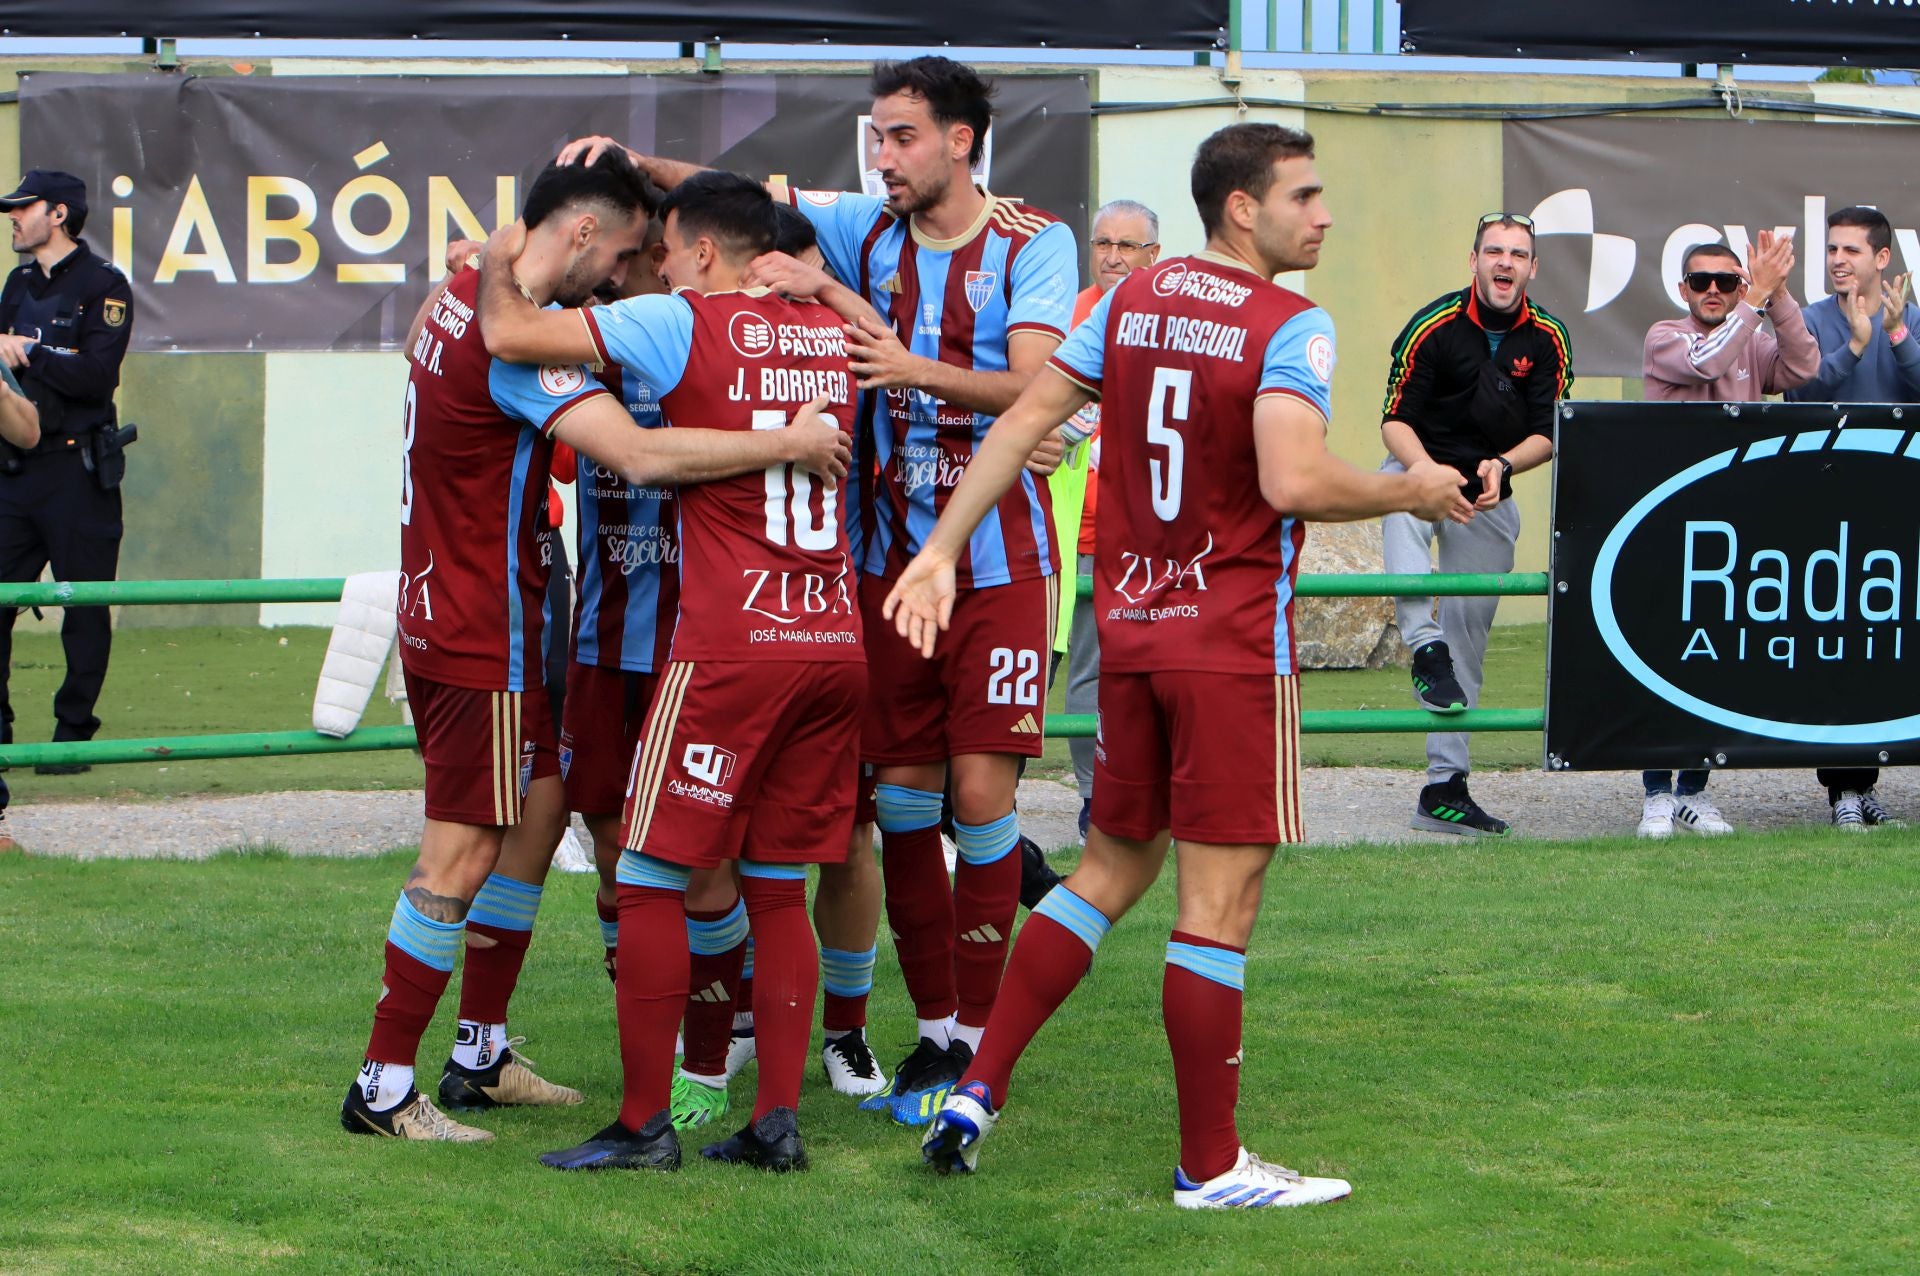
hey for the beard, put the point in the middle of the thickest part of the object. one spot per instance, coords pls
(915, 199)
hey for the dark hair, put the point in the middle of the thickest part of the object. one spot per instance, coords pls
(1240, 157)
(1872, 220)
(795, 234)
(1707, 250)
(731, 209)
(954, 93)
(612, 182)
(1480, 231)
(76, 221)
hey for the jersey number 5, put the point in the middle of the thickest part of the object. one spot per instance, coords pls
(788, 502)
(1169, 399)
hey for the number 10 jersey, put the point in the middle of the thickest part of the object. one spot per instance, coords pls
(765, 571)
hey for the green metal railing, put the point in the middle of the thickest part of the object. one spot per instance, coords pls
(327, 589)
(1270, 38)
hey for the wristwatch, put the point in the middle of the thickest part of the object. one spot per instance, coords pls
(1506, 466)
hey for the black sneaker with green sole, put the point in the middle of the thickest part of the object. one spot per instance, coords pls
(1447, 807)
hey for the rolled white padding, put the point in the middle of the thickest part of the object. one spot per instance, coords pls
(362, 637)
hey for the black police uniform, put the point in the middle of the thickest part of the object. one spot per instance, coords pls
(60, 502)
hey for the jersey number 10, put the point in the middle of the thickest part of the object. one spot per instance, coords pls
(788, 502)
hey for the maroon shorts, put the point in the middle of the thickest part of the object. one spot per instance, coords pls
(1213, 756)
(599, 732)
(482, 749)
(984, 691)
(748, 761)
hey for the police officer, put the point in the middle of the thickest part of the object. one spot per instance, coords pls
(64, 321)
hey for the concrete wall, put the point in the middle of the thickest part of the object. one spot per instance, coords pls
(284, 464)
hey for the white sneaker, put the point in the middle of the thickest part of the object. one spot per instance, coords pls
(742, 1050)
(851, 1067)
(1698, 813)
(571, 857)
(1848, 813)
(1253, 1183)
(1656, 817)
(1870, 809)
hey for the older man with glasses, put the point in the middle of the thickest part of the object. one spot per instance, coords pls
(1126, 237)
(1473, 382)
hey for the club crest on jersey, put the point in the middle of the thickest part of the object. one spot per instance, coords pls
(979, 288)
(820, 199)
(752, 336)
(1167, 282)
(1320, 357)
(559, 381)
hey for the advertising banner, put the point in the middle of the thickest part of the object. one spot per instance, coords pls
(1617, 203)
(314, 214)
(1012, 24)
(1734, 585)
(1790, 32)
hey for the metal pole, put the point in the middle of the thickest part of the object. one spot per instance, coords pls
(1351, 722)
(93, 593)
(1273, 26)
(1379, 26)
(1346, 22)
(1361, 585)
(1306, 26)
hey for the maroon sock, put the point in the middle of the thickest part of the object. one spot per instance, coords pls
(787, 967)
(1048, 964)
(649, 994)
(711, 1001)
(494, 958)
(1202, 1015)
(609, 916)
(985, 897)
(920, 914)
(843, 1014)
(409, 992)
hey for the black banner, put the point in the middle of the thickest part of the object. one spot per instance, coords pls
(1734, 585)
(1789, 32)
(1027, 24)
(314, 214)
(1617, 203)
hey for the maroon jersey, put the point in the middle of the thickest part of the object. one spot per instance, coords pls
(475, 548)
(765, 573)
(1193, 570)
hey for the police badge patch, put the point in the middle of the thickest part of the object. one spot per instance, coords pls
(114, 311)
(979, 288)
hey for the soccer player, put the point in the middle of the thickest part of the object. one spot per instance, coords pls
(1215, 400)
(751, 749)
(977, 291)
(473, 526)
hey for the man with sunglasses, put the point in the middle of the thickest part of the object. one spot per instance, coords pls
(1721, 352)
(1473, 382)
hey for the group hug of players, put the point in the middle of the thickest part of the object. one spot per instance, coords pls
(816, 593)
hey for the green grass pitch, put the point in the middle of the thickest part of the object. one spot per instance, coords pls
(1531, 1058)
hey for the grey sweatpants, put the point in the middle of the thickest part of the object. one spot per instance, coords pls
(1482, 545)
(1083, 681)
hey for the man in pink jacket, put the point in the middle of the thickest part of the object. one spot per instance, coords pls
(1722, 353)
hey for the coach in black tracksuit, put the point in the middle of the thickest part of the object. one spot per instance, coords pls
(66, 316)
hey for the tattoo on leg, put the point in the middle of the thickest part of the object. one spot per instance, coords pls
(439, 908)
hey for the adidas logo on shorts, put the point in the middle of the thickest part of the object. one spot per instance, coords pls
(714, 992)
(1026, 726)
(983, 935)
